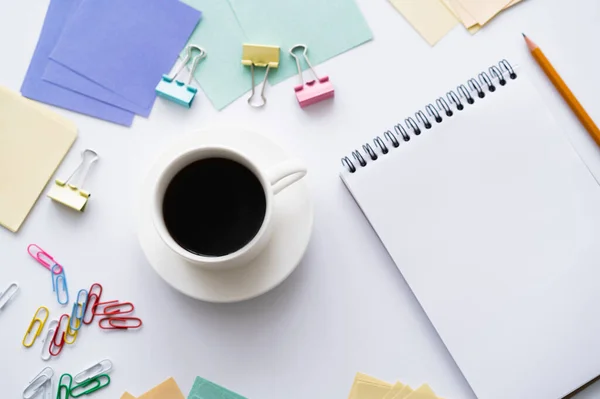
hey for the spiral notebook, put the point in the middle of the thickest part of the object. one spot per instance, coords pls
(494, 222)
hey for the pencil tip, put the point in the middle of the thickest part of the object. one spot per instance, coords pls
(524, 35)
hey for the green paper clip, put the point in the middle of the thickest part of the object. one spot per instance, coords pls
(176, 90)
(89, 386)
(62, 386)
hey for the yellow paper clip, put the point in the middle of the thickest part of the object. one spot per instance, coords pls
(36, 320)
(70, 193)
(263, 57)
(72, 332)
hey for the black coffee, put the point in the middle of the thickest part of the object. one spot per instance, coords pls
(214, 206)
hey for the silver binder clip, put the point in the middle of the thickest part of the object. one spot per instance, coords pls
(69, 192)
(40, 383)
(176, 90)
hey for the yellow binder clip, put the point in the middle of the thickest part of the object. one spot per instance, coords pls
(263, 57)
(69, 192)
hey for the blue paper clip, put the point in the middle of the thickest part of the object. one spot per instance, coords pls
(57, 278)
(176, 90)
(78, 310)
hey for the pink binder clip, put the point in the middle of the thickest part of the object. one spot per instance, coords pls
(312, 91)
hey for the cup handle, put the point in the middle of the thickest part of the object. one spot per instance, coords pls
(285, 174)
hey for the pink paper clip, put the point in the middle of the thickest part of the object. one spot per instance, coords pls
(44, 258)
(312, 91)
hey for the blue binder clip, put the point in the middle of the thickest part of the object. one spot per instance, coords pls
(176, 90)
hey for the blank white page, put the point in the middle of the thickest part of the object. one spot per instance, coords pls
(494, 222)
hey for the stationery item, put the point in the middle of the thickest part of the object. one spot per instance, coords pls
(8, 295)
(261, 56)
(59, 285)
(79, 307)
(423, 392)
(72, 333)
(60, 333)
(206, 389)
(115, 307)
(52, 326)
(120, 323)
(41, 383)
(367, 387)
(394, 391)
(33, 142)
(564, 90)
(102, 367)
(39, 320)
(176, 90)
(64, 389)
(275, 263)
(127, 395)
(90, 386)
(167, 389)
(71, 193)
(101, 43)
(493, 220)
(484, 11)
(430, 18)
(93, 300)
(338, 27)
(227, 221)
(315, 90)
(43, 258)
(36, 88)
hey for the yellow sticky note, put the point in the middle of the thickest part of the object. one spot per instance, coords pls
(127, 395)
(407, 390)
(483, 11)
(460, 12)
(423, 392)
(431, 18)
(166, 390)
(396, 389)
(367, 387)
(33, 142)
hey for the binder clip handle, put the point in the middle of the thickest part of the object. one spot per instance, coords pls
(304, 48)
(88, 157)
(188, 56)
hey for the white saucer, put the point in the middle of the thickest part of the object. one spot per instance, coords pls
(293, 214)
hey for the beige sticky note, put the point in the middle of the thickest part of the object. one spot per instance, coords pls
(431, 18)
(127, 395)
(33, 142)
(367, 387)
(396, 389)
(166, 390)
(483, 11)
(423, 392)
(407, 390)
(460, 12)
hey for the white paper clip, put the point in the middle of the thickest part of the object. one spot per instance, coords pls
(70, 193)
(40, 383)
(102, 367)
(48, 340)
(315, 90)
(176, 90)
(8, 295)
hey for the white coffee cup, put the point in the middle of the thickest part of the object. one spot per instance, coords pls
(272, 180)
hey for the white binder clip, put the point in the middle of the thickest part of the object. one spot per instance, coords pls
(70, 193)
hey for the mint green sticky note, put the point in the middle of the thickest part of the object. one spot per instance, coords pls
(204, 389)
(328, 28)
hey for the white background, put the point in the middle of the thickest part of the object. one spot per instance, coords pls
(346, 308)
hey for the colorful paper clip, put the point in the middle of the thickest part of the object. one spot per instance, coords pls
(40, 383)
(90, 386)
(79, 308)
(59, 333)
(112, 308)
(43, 258)
(40, 322)
(120, 323)
(52, 326)
(59, 285)
(93, 300)
(255, 55)
(176, 90)
(71, 333)
(315, 90)
(71, 193)
(64, 390)
(8, 295)
(102, 367)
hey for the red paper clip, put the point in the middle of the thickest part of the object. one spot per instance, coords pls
(44, 258)
(57, 333)
(116, 308)
(93, 300)
(120, 323)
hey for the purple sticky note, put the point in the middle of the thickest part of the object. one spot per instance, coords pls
(126, 45)
(64, 77)
(37, 89)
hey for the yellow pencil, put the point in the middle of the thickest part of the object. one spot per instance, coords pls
(564, 90)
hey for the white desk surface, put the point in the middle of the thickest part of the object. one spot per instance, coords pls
(346, 308)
